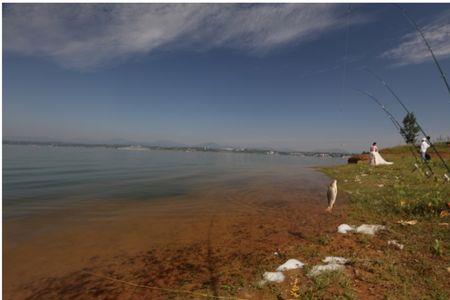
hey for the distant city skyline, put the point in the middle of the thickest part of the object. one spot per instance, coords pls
(248, 75)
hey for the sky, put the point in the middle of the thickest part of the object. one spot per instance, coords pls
(277, 76)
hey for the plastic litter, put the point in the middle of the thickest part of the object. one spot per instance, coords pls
(290, 265)
(335, 260)
(369, 229)
(396, 244)
(411, 222)
(317, 270)
(344, 228)
(273, 276)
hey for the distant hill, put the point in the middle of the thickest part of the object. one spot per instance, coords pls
(210, 146)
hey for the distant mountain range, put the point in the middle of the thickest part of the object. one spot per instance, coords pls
(117, 141)
(157, 143)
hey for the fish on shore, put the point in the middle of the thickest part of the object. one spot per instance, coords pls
(331, 195)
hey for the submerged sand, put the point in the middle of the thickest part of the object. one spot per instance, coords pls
(215, 241)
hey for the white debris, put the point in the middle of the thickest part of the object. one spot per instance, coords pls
(344, 228)
(369, 229)
(396, 244)
(273, 276)
(290, 265)
(317, 270)
(335, 260)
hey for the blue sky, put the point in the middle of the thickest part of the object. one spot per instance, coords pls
(240, 75)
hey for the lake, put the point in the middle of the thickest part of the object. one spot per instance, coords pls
(71, 209)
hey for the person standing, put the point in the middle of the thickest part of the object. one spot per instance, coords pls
(423, 148)
(373, 149)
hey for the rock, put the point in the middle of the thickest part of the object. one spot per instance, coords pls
(396, 244)
(273, 276)
(344, 228)
(317, 270)
(359, 157)
(369, 229)
(291, 264)
(335, 260)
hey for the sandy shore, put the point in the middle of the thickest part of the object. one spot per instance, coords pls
(216, 242)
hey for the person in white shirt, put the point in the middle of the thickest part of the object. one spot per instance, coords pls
(423, 148)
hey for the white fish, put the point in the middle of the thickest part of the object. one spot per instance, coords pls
(331, 195)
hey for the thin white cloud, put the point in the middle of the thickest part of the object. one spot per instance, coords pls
(89, 36)
(412, 49)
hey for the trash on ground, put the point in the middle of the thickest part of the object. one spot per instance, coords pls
(273, 276)
(290, 265)
(444, 214)
(369, 229)
(344, 228)
(320, 269)
(443, 224)
(335, 260)
(410, 222)
(364, 228)
(396, 244)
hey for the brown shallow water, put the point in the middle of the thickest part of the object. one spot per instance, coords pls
(216, 241)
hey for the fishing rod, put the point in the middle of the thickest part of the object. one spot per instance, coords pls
(414, 24)
(407, 111)
(397, 125)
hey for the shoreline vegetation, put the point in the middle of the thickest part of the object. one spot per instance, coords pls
(137, 147)
(414, 209)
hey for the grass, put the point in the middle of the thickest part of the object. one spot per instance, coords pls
(388, 194)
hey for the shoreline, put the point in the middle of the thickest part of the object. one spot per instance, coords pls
(218, 247)
(222, 248)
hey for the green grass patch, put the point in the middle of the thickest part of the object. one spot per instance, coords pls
(388, 194)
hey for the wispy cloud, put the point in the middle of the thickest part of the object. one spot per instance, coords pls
(89, 36)
(412, 49)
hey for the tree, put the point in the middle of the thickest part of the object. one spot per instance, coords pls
(410, 128)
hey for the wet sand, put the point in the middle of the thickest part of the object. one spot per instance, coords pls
(216, 241)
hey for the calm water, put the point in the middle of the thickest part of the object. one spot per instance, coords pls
(41, 178)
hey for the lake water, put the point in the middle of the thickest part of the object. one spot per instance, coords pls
(142, 214)
(42, 178)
